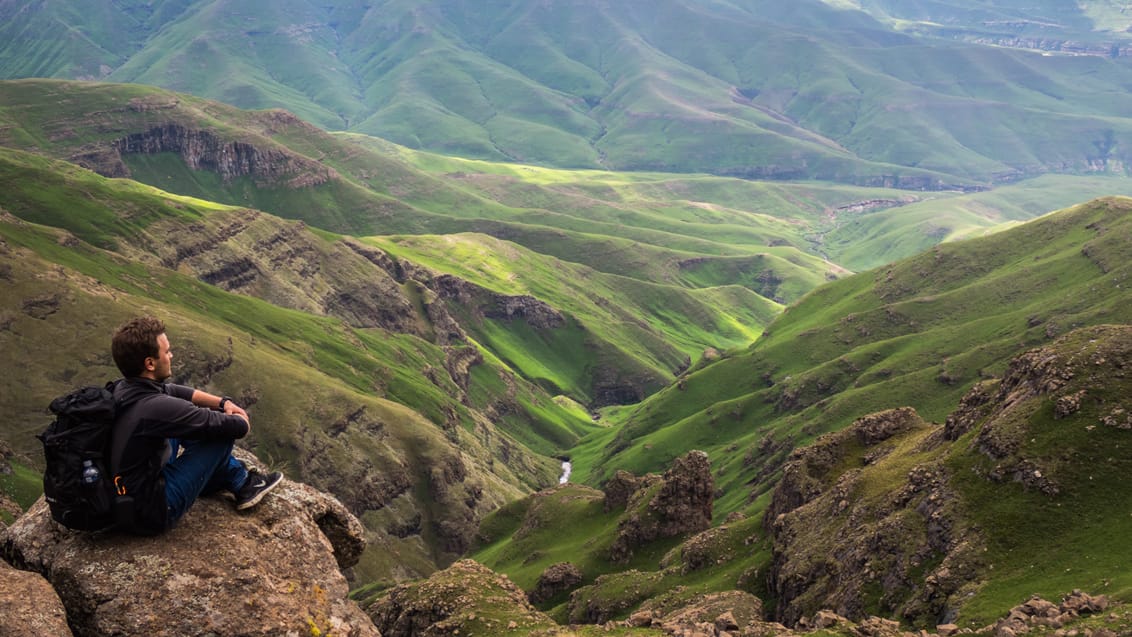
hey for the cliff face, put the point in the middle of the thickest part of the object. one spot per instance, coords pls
(205, 150)
(284, 263)
(274, 570)
(835, 549)
(907, 552)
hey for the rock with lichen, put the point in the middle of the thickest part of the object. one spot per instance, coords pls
(273, 570)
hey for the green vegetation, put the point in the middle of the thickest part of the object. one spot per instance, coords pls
(23, 486)
(857, 93)
(916, 333)
(919, 332)
(1079, 528)
(455, 323)
(344, 431)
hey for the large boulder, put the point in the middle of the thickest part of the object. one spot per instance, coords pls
(29, 606)
(274, 570)
(556, 579)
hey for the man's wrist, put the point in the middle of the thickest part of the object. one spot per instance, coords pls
(224, 400)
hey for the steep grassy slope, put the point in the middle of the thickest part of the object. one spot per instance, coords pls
(936, 523)
(1012, 498)
(100, 117)
(686, 230)
(876, 237)
(336, 432)
(630, 313)
(918, 332)
(78, 40)
(750, 88)
(361, 403)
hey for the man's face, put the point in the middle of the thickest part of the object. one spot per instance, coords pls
(160, 368)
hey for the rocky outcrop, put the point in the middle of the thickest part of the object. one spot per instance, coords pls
(710, 614)
(229, 158)
(1072, 373)
(555, 580)
(467, 598)
(849, 537)
(29, 606)
(973, 407)
(449, 486)
(621, 487)
(1038, 614)
(824, 530)
(284, 263)
(613, 595)
(275, 570)
(611, 386)
(483, 303)
(807, 472)
(679, 503)
(459, 362)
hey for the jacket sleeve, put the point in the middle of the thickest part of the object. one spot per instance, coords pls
(179, 391)
(170, 416)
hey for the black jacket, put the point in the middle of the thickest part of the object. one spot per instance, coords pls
(150, 413)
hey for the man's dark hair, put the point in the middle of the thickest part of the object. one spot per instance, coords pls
(134, 342)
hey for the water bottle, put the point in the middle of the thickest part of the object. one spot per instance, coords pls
(90, 472)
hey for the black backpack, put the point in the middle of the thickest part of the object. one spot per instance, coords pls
(78, 441)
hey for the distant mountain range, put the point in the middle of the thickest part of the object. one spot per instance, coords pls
(922, 95)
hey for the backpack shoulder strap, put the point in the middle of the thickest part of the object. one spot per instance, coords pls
(118, 437)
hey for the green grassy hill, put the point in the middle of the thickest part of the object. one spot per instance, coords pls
(382, 406)
(688, 230)
(1005, 500)
(862, 93)
(917, 332)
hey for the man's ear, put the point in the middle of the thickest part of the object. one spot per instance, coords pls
(150, 364)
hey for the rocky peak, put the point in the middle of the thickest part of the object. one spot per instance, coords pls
(622, 486)
(680, 502)
(274, 570)
(823, 526)
(1082, 374)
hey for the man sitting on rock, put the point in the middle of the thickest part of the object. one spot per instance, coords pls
(178, 439)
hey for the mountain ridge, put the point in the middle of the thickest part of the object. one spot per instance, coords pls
(803, 92)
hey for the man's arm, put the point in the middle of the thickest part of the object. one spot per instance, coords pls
(208, 401)
(212, 401)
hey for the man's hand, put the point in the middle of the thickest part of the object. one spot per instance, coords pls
(232, 408)
(212, 401)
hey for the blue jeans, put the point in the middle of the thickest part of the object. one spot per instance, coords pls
(203, 468)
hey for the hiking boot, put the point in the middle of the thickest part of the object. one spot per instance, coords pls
(255, 487)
